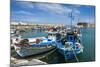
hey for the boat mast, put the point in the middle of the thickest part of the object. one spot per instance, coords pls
(71, 19)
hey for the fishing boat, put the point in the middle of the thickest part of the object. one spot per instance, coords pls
(12, 31)
(13, 35)
(33, 46)
(69, 46)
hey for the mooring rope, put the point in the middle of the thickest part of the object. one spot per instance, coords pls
(49, 53)
(75, 55)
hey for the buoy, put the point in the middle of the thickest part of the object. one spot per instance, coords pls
(38, 41)
(46, 46)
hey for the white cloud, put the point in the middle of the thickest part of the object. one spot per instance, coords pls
(26, 4)
(49, 7)
(76, 11)
(21, 12)
(53, 8)
(27, 18)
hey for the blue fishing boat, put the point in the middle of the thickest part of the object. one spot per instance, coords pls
(69, 45)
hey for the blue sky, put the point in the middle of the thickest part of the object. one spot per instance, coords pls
(51, 13)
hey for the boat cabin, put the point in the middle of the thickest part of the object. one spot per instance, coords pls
(72, 37)
(54, 35)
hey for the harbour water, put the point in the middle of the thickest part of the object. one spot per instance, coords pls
(53, 57)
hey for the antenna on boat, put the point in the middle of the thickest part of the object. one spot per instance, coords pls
(71, 18)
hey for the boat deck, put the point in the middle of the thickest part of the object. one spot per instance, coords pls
(59, 45)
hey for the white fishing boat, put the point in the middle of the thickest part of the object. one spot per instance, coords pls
(33, 47)
(12, 31)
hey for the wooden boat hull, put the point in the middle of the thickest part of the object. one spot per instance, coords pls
(70, 52)
(29, 50)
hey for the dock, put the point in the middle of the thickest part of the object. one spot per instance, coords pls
(23, 62)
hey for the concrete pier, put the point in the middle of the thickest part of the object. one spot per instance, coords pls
(23, 62)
